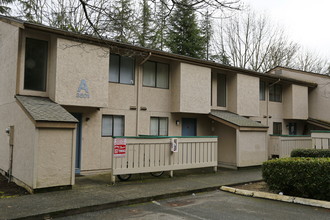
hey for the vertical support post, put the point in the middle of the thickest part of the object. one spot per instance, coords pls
(11, 150)
(113, 179)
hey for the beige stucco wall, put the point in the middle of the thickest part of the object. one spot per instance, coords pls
(24, 143)
(251, 148)
(54, 165)
(195, 89)
(295, 99)
(226, 144)
(76, 62)
(11, 113)
(318, 98)
(9, 36)
(247, 95)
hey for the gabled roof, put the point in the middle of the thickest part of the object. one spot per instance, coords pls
(236, 121)
(153, 52)
(296, 70)
(44, 110)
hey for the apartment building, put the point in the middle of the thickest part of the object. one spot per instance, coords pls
(64, 96)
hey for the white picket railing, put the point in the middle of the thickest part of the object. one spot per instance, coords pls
(321, 139)
(282, 146)
(145, 155)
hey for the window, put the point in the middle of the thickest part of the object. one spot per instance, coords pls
(275, 93)
(292, 128)
(277, 128)
(159, 126)
(221, 90)
(121, 69)
(112, 125)
(155, 74)
(35, 69)
(262, 90)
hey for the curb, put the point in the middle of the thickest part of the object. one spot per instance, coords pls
(104, 206)
(282, 198)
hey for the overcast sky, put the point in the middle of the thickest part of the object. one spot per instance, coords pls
(306, 22)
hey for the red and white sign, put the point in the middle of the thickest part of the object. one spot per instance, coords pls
(119, 147)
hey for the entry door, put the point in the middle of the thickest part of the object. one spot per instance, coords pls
(78, 116)
(189, 127)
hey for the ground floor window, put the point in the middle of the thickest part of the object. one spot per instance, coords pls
(277, 128)
(159, 126)
(112, 125)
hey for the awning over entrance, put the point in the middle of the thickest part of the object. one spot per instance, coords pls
(236, 121)
(323, 124)
(44, 111)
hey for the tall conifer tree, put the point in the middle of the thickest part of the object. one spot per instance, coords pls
(122, 20)
(145, 31)
(184, 35)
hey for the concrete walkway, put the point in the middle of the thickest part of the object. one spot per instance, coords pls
(93, 193)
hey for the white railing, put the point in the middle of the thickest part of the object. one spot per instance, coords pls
(282, 146)
(321, 139)
(143, 155)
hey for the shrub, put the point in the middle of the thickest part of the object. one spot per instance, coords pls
(310, 153)
(302, 177)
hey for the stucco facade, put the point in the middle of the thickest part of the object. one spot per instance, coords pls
(179, 94)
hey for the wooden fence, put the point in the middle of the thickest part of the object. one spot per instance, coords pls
(321, 139)
(143, 155)
(281, 146)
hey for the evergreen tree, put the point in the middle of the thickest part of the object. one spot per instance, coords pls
(207, 32)
(161, 14)
(122, 20)
(145, 32)
(184, 34)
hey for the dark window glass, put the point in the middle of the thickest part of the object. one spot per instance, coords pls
(275, 93)
(292, 128)
(121, 69)
(112, 125)
(277, 128)
(155, 74)
(262, 91)
(35, 69)
(221, 90)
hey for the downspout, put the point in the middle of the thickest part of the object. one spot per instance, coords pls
(268, 99)
(138, 92)
(11, 152)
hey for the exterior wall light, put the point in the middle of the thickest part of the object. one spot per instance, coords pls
(177, 122)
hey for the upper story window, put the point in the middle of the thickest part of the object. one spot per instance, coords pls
(156, 74)
(112, 125)
(262, 90)
(121, 69)
(275, 93)
(159, 126)
(221, 90)
(35, 68)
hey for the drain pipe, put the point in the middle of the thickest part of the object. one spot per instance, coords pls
(10, 132)
(138, 92)
(268, 99)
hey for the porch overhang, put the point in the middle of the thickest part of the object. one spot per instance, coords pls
(322, 124)
(45, 113)
(236, 121)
